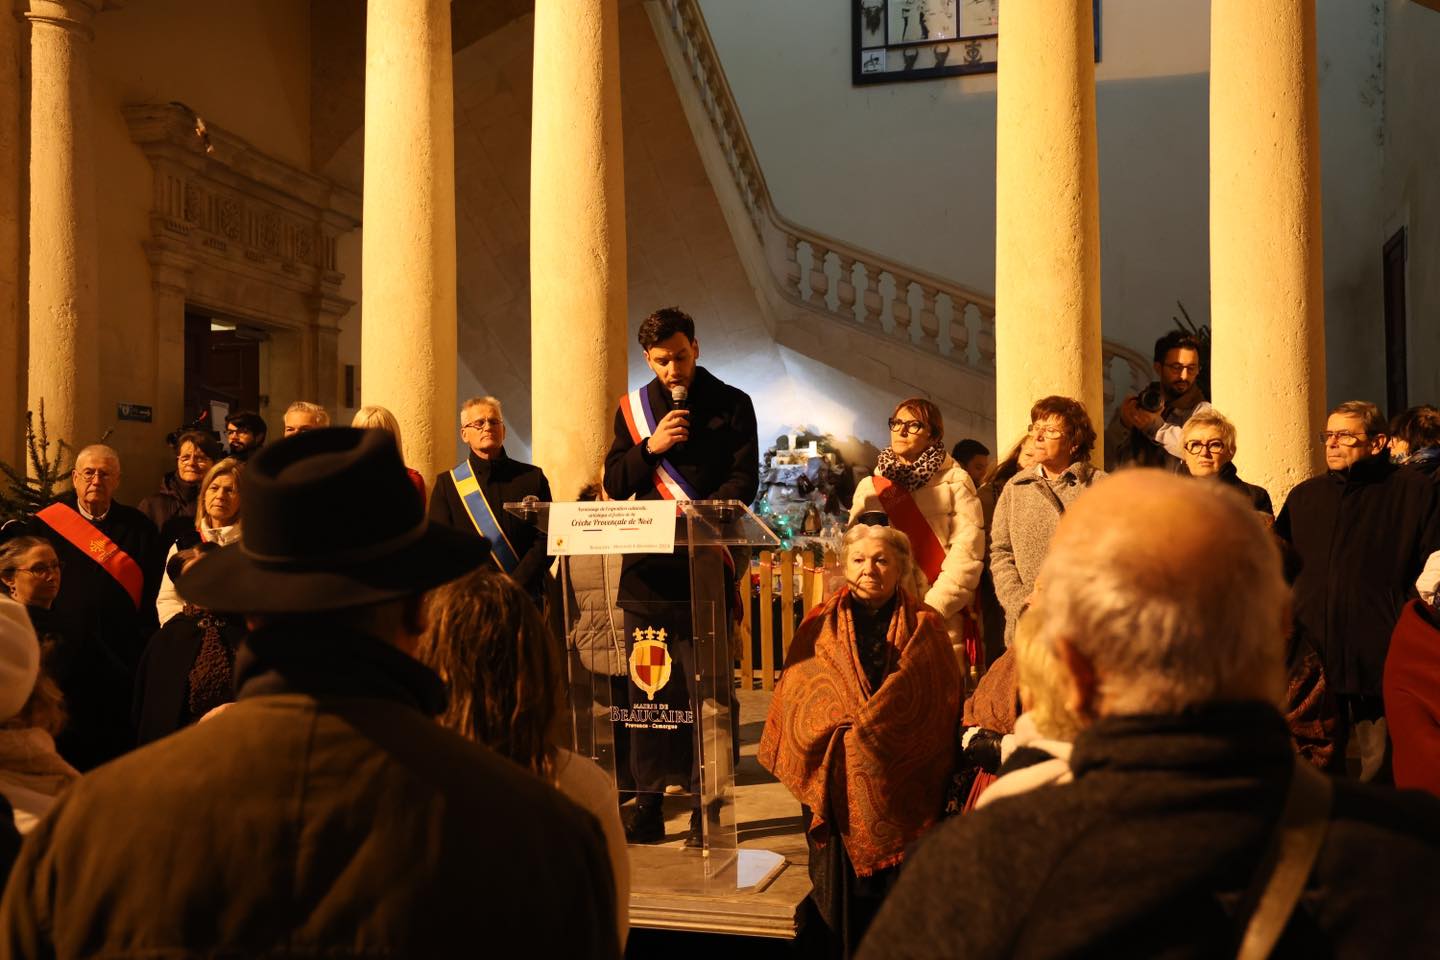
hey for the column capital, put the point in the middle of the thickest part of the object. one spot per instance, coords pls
(74, 15)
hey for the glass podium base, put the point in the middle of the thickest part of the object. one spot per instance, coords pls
(690, 872)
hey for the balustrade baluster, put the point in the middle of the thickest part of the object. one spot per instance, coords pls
(900, 309)
(960, 330)
(929, 323)
(845, 288)
(871, 299)
(986, 340)
(792, 264)
(819, 282)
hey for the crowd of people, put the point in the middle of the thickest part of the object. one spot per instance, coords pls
(298, 700)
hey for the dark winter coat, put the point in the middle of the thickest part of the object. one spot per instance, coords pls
(502, 481)
(1258, 496)
(1363, 536)
(721, 461)
(1149, 850)
(325, 814)
(1412, 697)
(175, 498)
(162, 683)
(102, 635)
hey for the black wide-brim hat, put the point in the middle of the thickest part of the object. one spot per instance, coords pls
(330, 520)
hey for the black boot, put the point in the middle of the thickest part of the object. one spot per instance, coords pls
(645, 823)
(695, 839)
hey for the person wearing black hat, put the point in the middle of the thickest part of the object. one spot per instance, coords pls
(325, 812)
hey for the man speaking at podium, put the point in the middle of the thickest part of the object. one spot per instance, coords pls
(682, 436)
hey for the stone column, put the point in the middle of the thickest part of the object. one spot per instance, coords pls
(1267, 292)
(12, 346)
(64, 363)
(407, 339)
(577, 239)
(1047, 215)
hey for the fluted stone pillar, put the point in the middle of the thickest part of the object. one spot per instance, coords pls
(1047, 214)
(64, 362)
(1267, 289)
(408, 338)
(12, 347)
(577, 239)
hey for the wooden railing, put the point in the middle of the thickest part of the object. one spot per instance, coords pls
(778, 573)
(849, 283)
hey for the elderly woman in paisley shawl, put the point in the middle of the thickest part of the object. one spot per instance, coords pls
(932, 500)
(862, 727)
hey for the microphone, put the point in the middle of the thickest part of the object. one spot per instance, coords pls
(680, 398)
(529, 511)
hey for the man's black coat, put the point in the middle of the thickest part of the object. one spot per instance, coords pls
(502, 481)
(720, 461)
(1363, 536)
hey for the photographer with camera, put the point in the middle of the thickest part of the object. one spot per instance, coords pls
(1146, 431)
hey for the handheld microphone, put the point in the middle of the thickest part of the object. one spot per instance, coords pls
(680, 398)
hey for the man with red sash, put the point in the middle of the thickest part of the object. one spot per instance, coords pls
(105, 608)
(703, 448)
(472, 497)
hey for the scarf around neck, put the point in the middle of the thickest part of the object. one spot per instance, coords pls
(911, 476)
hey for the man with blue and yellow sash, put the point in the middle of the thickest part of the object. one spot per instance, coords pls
(472, 497)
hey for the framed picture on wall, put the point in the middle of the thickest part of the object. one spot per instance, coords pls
(898, 40)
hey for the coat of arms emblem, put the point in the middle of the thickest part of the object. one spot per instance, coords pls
(650, 661)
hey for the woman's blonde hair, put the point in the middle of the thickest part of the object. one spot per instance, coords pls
(912, 578)
(1040, 683)
(227, 467)
(379, 418)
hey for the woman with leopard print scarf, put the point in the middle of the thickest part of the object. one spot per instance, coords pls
(925, 493)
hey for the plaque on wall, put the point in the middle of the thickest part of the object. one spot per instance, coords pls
(924, 39)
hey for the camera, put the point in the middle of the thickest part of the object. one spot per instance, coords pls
(1152, 398)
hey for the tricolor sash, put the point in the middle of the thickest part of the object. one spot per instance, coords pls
(486, 523)
(641, 421)
(87, 538)
(906, 517)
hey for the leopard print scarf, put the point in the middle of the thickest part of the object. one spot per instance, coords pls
(911, 476)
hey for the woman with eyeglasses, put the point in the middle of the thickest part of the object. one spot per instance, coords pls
(30, 571)
(932, 500)
(1030, 506)
(1208, 440)
(195, 452)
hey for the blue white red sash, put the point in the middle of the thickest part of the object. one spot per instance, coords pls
(486, 523)
(641, 421)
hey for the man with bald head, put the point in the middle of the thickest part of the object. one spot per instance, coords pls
(1181, 770)
(105, 608)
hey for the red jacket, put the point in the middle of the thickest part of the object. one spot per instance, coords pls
(1412, 697)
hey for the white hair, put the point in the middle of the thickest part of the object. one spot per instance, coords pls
(912, 577)
(473, 402)
(1166, 634)
(99, 451)
(321, 415)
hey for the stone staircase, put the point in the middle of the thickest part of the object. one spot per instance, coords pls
(857, 311)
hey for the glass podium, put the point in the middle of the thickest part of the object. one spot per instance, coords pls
(657, 674)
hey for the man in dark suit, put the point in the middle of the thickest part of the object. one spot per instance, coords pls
(325, 812)
(472, 497)
(105, 608)
(701, 448)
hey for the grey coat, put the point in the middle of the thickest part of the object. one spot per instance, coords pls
(1025, 519)
(597, 625)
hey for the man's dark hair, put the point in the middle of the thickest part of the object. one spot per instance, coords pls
(968, 449)
(1078, 429)
(249, 421)
(1419, 427)
(1175, 340)
(664, 324)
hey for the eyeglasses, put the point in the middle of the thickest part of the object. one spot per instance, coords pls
(90, 474)
(1178, 368)
(494, 423)
(44, 569)
(1041, 431)
(905, 427)
(1342, 438)
(194, 458)
(1215, 447)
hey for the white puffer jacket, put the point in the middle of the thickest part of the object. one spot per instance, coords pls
(949, 502)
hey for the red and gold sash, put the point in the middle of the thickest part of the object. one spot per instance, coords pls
(906, 517)
(86, 538)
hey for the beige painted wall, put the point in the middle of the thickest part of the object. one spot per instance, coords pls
(1411, 189)
(12, 277)
(245, 67)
